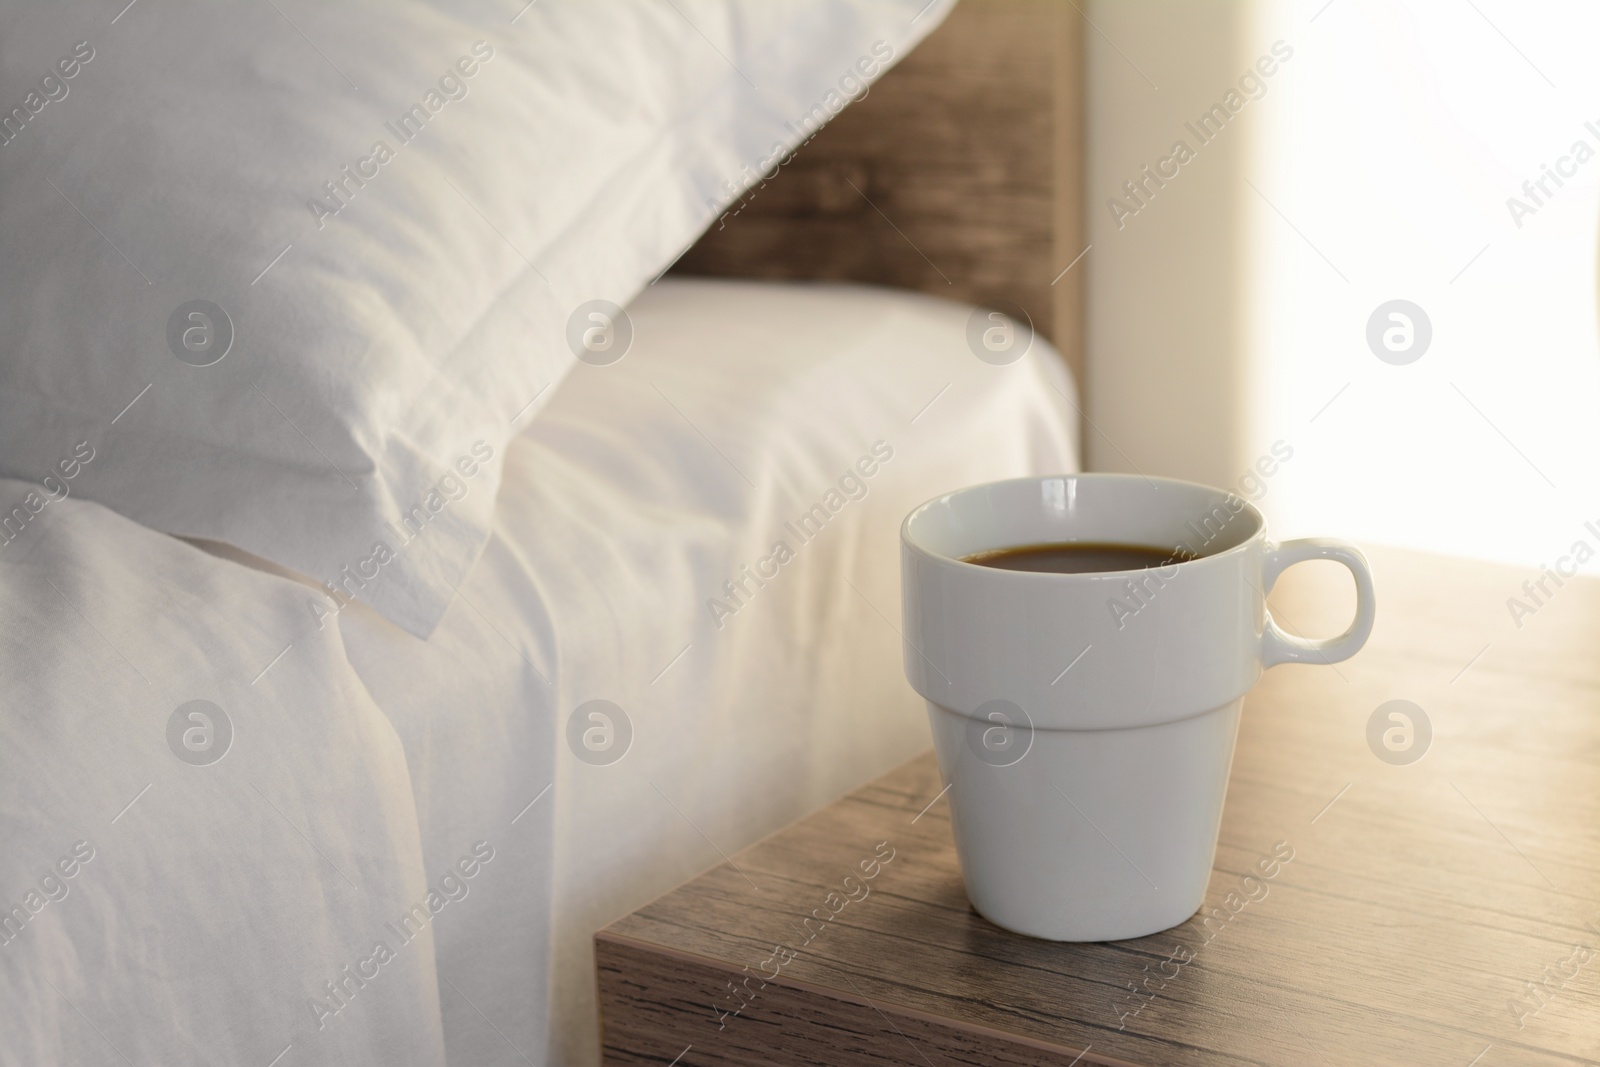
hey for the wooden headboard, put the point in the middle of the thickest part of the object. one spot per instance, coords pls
(958, 174)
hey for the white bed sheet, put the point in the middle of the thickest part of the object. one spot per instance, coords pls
(638, 492)
(650, 483)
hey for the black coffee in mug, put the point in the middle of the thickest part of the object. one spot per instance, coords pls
(1088, 700)
(1079, 557)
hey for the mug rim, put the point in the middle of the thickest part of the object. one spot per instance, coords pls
(906, 539)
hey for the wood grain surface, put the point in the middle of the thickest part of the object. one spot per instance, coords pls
(958, 174)
(1445, 911)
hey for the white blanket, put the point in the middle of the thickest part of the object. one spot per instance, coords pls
(429, 796)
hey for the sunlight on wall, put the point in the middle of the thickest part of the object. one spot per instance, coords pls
(1381, 168)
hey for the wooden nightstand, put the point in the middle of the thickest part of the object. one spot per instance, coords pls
(1442, 911)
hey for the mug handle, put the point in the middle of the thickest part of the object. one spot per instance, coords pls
(1279, 647)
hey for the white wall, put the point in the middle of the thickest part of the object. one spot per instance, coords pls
(1165, 323)
(1384, 152)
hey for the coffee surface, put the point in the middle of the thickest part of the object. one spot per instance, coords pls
(1079, 557)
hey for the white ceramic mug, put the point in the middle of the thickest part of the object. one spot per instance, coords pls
(1085, 722)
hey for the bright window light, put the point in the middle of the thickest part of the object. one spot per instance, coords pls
(1447, 156)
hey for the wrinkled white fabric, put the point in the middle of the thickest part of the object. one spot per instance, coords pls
(376, 222)
(217, 906)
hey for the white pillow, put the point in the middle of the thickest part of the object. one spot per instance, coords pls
(377, 223)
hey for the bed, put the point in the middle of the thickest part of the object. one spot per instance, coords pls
(254, 816)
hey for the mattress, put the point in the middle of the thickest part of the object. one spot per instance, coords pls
(682, 635)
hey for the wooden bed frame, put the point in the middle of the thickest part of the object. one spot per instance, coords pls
(958, 174)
